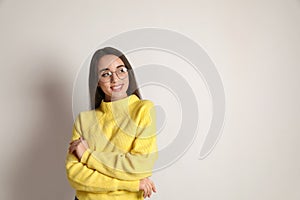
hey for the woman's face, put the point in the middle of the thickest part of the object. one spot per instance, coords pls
(112, 77)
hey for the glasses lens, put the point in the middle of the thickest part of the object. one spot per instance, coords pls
(122, 72)
(104, 76)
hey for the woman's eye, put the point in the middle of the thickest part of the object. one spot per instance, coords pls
(123, 69)
(105, 74)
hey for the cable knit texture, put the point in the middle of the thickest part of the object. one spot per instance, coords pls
(122, 150)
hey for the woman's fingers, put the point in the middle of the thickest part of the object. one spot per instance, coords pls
(72, 148)
(143, 187)
(78, 147)
(145, 192)
(75, 141)
(153, 185)
(147, 186)
(149, 190)
(73, 145)
(80, 140)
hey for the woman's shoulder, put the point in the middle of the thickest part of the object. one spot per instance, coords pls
(144, 103)
(142, 106)
(86, 118)
(87, 113)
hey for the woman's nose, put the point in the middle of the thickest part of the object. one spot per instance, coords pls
(114, 77)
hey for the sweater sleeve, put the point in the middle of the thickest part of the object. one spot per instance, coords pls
(82, 178)
(134, 165)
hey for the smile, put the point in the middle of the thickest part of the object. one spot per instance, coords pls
(116, 88)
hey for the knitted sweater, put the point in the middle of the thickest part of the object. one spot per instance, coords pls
(122, 150)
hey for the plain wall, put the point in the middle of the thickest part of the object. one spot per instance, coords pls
(255, 46)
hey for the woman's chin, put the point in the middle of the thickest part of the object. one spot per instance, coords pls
(118, 95)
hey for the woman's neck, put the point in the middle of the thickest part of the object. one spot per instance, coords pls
(114, 98)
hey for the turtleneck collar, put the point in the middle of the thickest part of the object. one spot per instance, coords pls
(118, 105)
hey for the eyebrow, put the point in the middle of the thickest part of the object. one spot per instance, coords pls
(109, 69)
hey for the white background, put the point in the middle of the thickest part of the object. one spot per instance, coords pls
(255, 46)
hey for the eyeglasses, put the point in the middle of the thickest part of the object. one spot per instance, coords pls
(105, 75)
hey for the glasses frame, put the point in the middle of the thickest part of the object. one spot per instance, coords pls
(127, 73)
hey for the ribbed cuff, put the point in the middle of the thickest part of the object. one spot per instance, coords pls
(132, 186)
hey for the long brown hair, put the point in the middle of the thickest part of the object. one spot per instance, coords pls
(96, 93)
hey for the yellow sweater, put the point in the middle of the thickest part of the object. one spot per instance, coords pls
(122, 150)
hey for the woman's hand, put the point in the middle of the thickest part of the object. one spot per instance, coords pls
(78, 147)
(147, 186)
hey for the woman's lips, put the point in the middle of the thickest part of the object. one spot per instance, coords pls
(116, 88)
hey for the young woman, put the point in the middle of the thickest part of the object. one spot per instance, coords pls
(113, 147)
